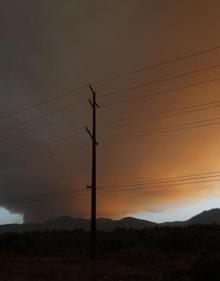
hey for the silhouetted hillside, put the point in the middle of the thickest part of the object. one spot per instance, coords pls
(70, 224)
(105, 224)
(206, 217)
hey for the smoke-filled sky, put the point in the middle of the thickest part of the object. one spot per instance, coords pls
(49, 48)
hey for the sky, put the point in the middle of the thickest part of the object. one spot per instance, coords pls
(51, 50)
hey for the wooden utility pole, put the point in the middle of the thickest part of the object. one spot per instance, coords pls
(94, 105)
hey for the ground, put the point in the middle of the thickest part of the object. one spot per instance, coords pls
(160, 254)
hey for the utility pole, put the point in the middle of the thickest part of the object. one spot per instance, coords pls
(92, 134)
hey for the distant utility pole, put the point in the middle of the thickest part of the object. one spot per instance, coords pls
(92, 134)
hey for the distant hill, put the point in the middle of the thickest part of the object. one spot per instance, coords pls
(105, 224)
(206, 217)
(68, 223)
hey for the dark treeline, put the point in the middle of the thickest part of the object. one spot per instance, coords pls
(192, 239)
(189, 253)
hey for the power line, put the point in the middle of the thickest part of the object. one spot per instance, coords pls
(168, 129)
(129, 187)
(43, 115)
(50, 155)
(162, 92)
(30, 148)
(38, 146)
(39, 128)
(155, 131)
(38, 196)
(151, 131)
(47, 198)
(168, 113)
(150, 188)
(164, 180)
(55, 153)
(158, 130)
(156, 65)
(177, 59)
(75, 115)
(158, 81)
(12, 114)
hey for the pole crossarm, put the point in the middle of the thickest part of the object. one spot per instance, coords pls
(88, 131)
(91, 135)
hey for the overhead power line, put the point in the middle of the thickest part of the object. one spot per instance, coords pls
(163, 92)
(25, 132)
(156, 65)
(66, 107)
(85, 86)
(169, 113)
(51, 154)
(169, 129)
(46, 198)
(165, 180)
(80, 113)
(28, 108)
(158, 81)
(132, 186)
(48, 154)
(39, 146)
(160, 130)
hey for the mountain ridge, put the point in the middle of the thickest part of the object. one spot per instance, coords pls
(68, 223)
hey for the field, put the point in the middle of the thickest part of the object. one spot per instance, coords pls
(158, 254)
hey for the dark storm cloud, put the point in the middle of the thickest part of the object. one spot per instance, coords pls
(49, 47)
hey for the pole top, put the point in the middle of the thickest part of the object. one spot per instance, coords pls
(91, 89)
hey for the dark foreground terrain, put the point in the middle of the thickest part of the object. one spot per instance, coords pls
(156, 254)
